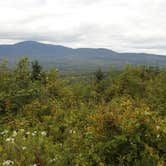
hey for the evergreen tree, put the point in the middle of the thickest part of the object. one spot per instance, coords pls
(99, 75)
(36, 70)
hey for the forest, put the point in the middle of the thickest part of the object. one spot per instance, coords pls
(115, 118)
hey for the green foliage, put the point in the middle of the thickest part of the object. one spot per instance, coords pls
(36, 70)
(99, 75)
(115, 118)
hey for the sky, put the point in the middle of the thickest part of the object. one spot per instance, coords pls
(120, 25)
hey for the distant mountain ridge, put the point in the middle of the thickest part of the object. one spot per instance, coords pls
(66, 58)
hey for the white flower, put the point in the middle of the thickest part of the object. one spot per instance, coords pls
(10, 140)
(23, 148)
(27, 132)
(1, 133)
(158, 135)
(53, 160)
(7, 162)
(4, 132)
(14, 133)
(72, 132)
(43, 133)
(34, 133)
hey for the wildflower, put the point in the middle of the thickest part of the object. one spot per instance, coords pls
(4, 132)
(27, 132)
(72, 131)
(7, 162)
(23, 148)
(158, 135)
(10, 140)
(14, 133)
(53, 160)
(43, 133)
(34, 133)
(1, 133)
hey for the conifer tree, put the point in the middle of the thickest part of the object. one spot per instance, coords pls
(36, 70)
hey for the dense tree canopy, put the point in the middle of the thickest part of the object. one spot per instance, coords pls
(115, 118)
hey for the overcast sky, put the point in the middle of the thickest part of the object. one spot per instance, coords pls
(121, 25)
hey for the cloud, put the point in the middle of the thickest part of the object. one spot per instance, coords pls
(122, 25)
(21, 4)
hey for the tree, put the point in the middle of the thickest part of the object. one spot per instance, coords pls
(22, 73)
(98, 84)
(36, 70)
(99, 75)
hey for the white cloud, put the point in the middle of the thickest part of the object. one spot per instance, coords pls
(122, 25)
(21, 3)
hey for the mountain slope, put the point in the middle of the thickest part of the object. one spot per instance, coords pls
(75, 59)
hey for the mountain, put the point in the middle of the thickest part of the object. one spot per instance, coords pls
(69, 59)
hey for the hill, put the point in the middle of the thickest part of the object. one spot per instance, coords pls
(69, 59)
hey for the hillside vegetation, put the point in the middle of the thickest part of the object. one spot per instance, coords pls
(115, 119)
